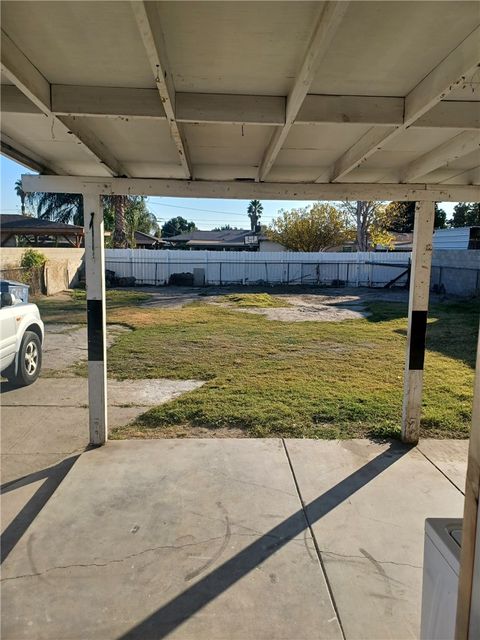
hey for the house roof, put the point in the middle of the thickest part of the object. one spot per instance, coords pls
(403, 238)
(229, 237)
(146, 238)
(289, 99)
(14, 223)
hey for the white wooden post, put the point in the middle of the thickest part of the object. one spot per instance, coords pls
(468, 605)
(417, 320)
(97, 355)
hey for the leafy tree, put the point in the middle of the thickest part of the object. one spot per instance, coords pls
(255, 210)
(21, 194)
(225, 227)
(466, 214)
(402, 215)
(372, 221)
(176, 226)
(316, 228)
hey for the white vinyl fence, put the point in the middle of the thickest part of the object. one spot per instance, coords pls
(256, 268)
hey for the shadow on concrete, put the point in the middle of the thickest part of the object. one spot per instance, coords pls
(6, 386)
(53, 476)
(166, 619)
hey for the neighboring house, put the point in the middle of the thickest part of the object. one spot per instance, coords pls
(146, 241)
(229, 240)
(457, 238)
(38, 233)
(401, 242)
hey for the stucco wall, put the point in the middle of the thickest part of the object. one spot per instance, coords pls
(62, 268)
(457, 272)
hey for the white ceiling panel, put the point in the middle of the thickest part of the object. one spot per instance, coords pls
(387, 48)
(50, 140)
(225, 143)
(237, 47)
(84, 43)
(419, 141)
(135, 140)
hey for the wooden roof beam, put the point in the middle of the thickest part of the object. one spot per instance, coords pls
(451, 150)
(211, 108)
(328, 22)
(26, 77)
(150, 29)
(15, 151)
(248, 190)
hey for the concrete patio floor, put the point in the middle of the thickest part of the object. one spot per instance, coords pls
(243, 539)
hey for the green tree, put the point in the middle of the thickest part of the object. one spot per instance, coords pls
(225, 227)
(402, 215)
(254, 210)
(139, 218)
(316, 228)
(176, 226)
(466, 214)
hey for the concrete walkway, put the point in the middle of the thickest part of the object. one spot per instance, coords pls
(231, 539)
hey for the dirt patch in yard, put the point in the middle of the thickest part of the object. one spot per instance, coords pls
(304, 308)
(66, 346)
(176, 431)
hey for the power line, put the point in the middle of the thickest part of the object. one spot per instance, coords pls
(177, 206)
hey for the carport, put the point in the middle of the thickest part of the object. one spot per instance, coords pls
(291, 100)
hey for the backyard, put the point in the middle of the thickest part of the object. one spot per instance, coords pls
(268, 373)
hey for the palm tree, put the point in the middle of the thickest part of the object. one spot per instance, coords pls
(120, 228)
(60, 207)
(21, 194)
(255, 210)
(139, 218)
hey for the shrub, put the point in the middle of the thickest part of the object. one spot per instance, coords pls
(32, 258)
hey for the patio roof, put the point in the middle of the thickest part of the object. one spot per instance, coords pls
(276, 92)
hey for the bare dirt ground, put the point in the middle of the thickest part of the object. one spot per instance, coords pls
(66, 345)
(314, 308)
(301, 304)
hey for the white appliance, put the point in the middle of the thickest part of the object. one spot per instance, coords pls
(441, 566)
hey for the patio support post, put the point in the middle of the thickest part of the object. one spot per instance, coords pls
(95, 279)
(417, 320)
(468, 607)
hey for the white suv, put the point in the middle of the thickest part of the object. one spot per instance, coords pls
(21, 340)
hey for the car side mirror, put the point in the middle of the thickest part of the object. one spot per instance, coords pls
(8, 299)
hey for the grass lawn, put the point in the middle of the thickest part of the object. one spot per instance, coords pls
(304, 379)
(71, 307)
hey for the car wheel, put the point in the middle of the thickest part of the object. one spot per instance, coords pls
(29, 360)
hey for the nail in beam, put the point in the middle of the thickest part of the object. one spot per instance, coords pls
(417, 319)
(97, 357)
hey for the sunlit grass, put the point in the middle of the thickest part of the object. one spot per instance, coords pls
(271, 378)
(321, 380)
